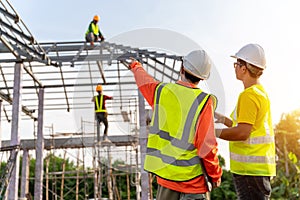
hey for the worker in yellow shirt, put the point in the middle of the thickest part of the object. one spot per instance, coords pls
(250, 132)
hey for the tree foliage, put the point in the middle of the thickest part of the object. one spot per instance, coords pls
(226, 190)
(86, 179)
(286, 184)
(288, 133)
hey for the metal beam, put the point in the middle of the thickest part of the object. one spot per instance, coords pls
(25, 174)
(101, 71)
(15, 135)
(124, 52)
(67, 85)
(25, 110)
(28, 38)
(39, 164)
(33, 76)
(143, 148)
(75, 142)
(17, 38)
(11, 16)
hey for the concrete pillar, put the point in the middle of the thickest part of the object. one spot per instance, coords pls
(39, 165)
(143, 148)
(15, 140)
(25, 174)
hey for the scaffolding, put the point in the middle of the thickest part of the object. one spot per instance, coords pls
(61, 76)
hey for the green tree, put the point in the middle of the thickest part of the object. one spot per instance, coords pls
(55, 181)
(288, 133)
(286, 184)
(121, 172)
(226, 190)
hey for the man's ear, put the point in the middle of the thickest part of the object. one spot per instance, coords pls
(244, 68)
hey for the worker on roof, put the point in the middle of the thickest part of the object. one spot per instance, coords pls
(181, 130)
(93, 34)
(250, 129)
(100, 110)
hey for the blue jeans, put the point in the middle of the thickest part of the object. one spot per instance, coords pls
(252, 187)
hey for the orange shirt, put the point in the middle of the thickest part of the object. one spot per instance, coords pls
(205, 140)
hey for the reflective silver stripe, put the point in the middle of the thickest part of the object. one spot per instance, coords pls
(183, 142)
(191, 115)
(171, 160)
(234, 115)
(252, 159)
(155, 123)
(267, 127)
(260, 140)
(174, 141)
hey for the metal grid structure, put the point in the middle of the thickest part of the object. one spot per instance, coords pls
(80, 67)
(63, 75)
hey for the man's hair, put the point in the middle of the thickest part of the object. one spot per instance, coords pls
(254, 71)
(191, 77)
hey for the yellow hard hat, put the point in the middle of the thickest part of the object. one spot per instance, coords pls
(96, 18)
(99, 88)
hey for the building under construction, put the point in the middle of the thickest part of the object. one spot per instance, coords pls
(57, 77)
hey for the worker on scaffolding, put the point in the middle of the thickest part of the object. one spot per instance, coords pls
(182, 147)
(93, 34)
(100, 111)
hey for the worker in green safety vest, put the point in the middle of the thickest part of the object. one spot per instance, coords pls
(100, 109)
(181, 133)
(93, 34)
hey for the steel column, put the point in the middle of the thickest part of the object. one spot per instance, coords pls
(15, 140)
(25, 174)
(39, 165)
(143, 146)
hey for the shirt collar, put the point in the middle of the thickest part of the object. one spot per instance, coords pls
(191, 85)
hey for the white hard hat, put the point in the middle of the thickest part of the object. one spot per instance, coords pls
(253, 54)
(198, 64)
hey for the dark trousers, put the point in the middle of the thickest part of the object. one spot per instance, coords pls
(168, 194)
(90, 37)
(252, 187)
(102, 118)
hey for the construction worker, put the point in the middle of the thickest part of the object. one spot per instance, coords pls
(181, 130)
(100, 110)
(93, 34)
(250, 132)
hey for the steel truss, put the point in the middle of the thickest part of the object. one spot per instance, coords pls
(80, 67)
(62, 76)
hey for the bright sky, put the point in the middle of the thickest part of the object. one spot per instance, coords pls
(220, 27)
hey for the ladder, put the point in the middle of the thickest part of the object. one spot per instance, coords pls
(6, 173)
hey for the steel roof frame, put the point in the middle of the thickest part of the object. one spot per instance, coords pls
(80, 68)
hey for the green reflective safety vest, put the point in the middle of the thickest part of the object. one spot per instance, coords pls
(171, 153)
(94, 28)
(98, 104)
